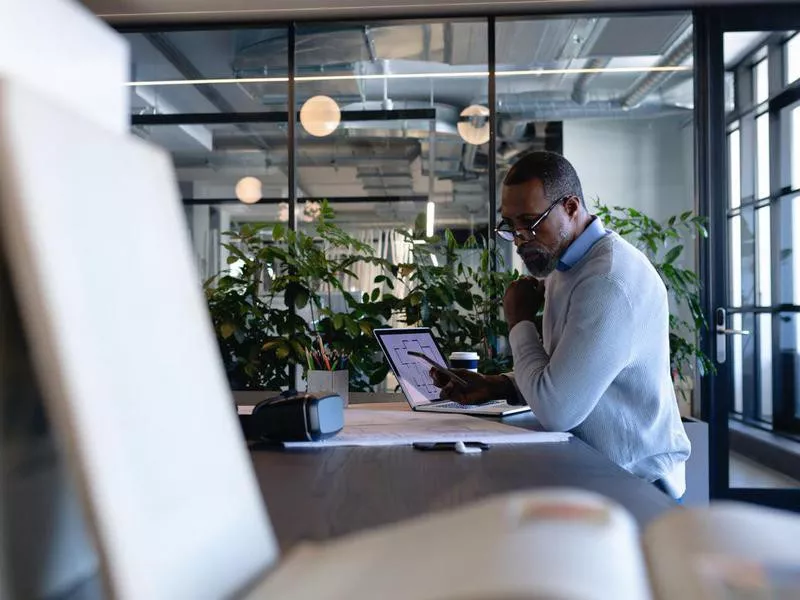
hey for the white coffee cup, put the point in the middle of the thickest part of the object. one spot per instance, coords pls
(464, 360)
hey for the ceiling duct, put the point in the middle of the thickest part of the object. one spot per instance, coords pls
(579, 94)
(444, 124)
(654, 80)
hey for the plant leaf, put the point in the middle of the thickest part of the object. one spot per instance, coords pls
(300, 297)
(226, 330)
(673, 254)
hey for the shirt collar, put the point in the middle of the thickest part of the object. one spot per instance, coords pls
(593, 233)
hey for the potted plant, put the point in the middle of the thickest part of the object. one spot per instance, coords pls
(457, 300)
(257, 308)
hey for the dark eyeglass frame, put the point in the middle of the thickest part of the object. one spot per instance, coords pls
(516, 233)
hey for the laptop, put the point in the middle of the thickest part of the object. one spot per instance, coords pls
(413, 374)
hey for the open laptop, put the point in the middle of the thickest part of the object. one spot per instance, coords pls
(413, 374)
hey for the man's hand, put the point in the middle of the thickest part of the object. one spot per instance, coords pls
(479, 389)
(523, 299)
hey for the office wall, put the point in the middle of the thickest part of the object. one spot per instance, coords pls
(642, 163)
(647, 164)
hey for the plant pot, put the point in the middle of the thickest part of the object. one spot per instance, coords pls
(337, 382)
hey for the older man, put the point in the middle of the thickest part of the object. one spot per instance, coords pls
(600, 366)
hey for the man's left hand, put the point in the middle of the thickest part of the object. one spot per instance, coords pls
(523, 299)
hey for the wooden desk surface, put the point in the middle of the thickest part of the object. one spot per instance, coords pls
(316, 494)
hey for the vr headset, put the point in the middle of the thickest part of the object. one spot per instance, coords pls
(293, 417)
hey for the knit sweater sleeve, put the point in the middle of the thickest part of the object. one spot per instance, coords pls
(595, 346)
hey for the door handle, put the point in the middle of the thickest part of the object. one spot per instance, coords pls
(723, 331)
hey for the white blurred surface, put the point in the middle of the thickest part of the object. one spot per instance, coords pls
(125, 353)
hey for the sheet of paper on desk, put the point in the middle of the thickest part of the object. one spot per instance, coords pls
(397, 428)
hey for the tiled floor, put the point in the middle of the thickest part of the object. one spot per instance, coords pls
(746, 473)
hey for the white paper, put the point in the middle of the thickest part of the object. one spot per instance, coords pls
(367, 427)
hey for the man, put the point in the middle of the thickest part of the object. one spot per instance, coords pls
(599, 367)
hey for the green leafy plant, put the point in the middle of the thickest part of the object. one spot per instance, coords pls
(452, 289)
(663, 244)
(258, 327)
(248, 328)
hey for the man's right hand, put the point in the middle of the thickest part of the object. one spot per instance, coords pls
(479, 389)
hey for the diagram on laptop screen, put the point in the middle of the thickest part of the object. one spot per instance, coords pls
(412, 372)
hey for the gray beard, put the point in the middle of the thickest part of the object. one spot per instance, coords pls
(540, 264)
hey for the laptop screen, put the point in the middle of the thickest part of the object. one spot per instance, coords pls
(412, 373)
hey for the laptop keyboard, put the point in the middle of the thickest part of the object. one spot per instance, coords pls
(469, 406)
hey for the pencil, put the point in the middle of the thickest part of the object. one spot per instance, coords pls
(322, 350)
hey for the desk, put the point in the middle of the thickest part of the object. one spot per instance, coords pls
(317, 494)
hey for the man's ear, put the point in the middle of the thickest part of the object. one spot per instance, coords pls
(572, 205)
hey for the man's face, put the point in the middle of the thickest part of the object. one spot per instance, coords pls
(520, 206)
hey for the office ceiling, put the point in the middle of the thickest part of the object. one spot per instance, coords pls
(368, 160)
(372, 160)
(161, 11)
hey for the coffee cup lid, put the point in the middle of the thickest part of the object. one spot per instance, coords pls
(464, 356)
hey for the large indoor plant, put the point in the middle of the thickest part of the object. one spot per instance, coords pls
(280, 273)
(453, 289)
(448, 286)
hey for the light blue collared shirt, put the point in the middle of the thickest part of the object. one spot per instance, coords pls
(593, 233)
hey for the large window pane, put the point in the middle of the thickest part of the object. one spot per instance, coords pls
(762, 155)
(764, 260)
(631, 144)
(228, 175)
(245, 70)
(398, 148)
(765, 365)
(735, 168)
(790, 359)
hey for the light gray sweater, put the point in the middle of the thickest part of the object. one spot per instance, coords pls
(602, 367)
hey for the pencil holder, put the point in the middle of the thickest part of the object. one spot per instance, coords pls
(337, 382)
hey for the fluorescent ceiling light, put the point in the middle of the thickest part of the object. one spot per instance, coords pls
(443, 75)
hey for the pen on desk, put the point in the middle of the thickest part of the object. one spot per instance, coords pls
(461, 447)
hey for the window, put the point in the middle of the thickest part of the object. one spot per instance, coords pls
(736, 261)
(765, 365)
(763, 258)
(761, 81)
(762, 155)
(764, 232)
(794, 151)
(792, 57)
(734, 161)
(393, 125)
(738, 383)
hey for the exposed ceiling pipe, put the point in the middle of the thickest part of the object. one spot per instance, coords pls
(654, 80)
(581, 86)
(187, 69)
(370, 43)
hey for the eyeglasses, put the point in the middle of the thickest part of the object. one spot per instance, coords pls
(509, 233)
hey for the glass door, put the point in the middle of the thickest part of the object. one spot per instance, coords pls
(752, 262)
